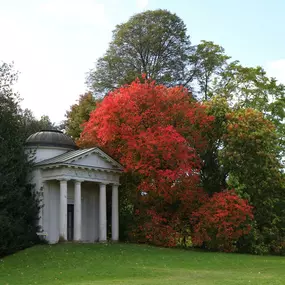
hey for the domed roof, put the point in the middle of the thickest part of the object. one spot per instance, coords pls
(52, 138)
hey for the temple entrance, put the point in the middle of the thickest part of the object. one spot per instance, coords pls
(70, 221)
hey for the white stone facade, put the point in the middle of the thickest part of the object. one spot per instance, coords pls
(73, 185)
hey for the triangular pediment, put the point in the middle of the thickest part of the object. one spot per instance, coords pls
(96, 159)
(92, 158)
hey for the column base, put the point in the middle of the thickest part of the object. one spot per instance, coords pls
(61, 239)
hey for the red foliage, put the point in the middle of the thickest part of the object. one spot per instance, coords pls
(221, 221)
(159, 150)
(155, 229)
(157, 132)
(153, 130)
(135, 111)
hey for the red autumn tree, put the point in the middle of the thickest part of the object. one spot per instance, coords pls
(153, 130)
(221, 221)
(156, 133)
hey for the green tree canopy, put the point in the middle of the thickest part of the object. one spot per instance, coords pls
(79, 113)
(208, 62)
(243, 87)
(153, 43)
(18, 204)
(251, 158)
(32, 125)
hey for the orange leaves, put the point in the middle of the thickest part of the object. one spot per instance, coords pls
(159, 149)
(149, 128)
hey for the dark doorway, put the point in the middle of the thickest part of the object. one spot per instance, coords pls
(70, 221)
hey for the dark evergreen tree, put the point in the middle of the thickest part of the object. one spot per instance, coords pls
(18, 201)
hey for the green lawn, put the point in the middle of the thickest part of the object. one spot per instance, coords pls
(88, 264)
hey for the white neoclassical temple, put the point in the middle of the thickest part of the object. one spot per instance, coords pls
(73, 184)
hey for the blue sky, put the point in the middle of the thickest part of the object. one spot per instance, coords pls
(55, 42)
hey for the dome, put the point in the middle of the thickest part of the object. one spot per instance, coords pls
(51, 138)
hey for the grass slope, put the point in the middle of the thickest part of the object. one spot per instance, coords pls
(88, 264)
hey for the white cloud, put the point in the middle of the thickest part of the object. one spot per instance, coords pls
(142, 4)
(276, 69)
(70, 11)
(53, 44)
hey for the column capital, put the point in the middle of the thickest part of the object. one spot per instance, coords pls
(63, 179)
(79, 180)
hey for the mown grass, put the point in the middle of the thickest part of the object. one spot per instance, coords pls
(88, 264)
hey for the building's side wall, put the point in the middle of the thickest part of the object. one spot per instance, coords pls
(42, 153)
(35, 178)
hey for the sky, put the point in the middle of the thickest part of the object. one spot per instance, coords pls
(54, 43)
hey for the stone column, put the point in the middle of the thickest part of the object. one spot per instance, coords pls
(45, 207)
(77, 210)
(115, 212)
(102, 213)
(63, 210)
(41, 204)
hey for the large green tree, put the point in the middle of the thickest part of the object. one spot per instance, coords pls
(251, 158)
(18, 203)
(153, 43)
(251, 87)
(79, 113)
(245, 150)
(32, 125)
(243, 87)
(244, 154)
(207, 62)
(213, 173)
(238, 87)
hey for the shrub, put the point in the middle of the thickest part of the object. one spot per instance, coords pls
(220, 222)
